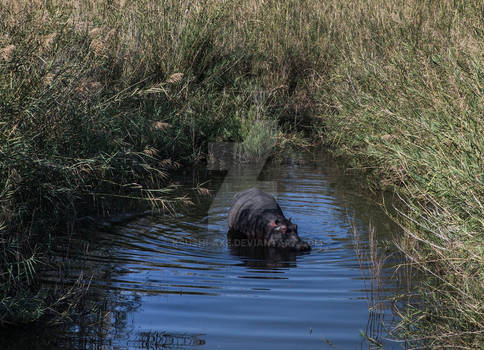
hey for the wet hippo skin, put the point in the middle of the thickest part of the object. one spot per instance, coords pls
(256, 216)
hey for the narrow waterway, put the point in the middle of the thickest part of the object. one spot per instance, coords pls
(175, 283)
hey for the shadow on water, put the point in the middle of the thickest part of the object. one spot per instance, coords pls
(177, 283)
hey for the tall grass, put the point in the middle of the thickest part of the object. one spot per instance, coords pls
(408, 106)
(102, 97)
(99, 99)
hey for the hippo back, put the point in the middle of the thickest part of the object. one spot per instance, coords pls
(248, 204)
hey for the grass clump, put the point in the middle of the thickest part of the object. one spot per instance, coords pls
(408, 107)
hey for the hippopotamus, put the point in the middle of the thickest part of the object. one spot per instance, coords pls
(255, 215)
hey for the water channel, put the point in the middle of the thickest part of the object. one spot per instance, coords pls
(174, 282)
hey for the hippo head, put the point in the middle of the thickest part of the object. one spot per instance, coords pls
(282, 233)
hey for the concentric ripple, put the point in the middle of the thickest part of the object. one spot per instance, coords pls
(184, 287)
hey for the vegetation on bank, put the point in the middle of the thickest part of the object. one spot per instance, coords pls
(100, 98)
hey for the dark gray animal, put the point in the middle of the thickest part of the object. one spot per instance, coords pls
(255, 215)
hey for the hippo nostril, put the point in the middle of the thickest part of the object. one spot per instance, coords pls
(302, 246)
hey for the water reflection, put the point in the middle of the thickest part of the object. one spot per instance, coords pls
(178, 283)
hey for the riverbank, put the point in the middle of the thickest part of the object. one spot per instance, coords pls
(100, 99)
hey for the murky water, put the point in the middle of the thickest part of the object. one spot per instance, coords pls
(174, 283)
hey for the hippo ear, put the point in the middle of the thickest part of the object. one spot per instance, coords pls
(272, 223)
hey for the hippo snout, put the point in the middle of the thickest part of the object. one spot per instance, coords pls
(293, 242)
(302, 246)
(299, 245)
